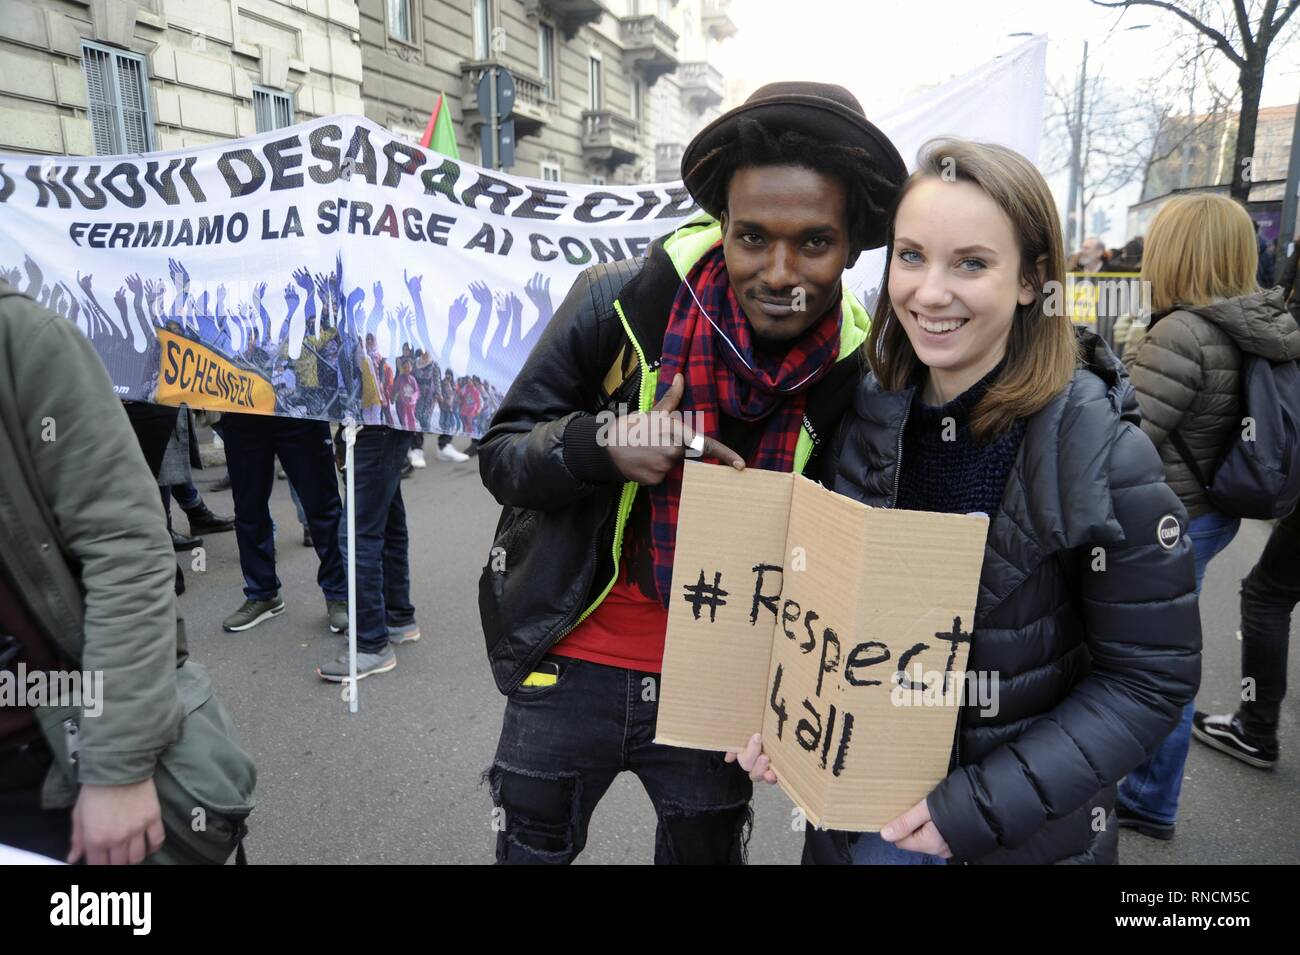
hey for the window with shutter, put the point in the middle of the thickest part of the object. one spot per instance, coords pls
(117, 94)
(135, 117)
(102, 105)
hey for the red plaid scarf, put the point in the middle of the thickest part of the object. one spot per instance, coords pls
(750, 389)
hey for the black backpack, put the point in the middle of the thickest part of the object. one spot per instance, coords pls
(1258, 474)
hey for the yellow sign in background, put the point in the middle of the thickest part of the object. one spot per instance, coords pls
(194, 374)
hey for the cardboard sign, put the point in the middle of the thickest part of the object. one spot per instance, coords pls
(837, 631)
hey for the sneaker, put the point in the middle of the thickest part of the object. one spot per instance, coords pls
(181, 542)
(472, 449)
(416, 457)
(203, 521)
(407, 470)
(1226, 734)
(252, 613)
(407, 633)
(280, 475)
(306, 537)
(1144, 825)
(336, 671)
(450, 453)
(223, 483)
(337, 611)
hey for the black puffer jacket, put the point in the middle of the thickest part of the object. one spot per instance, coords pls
(1094, 665)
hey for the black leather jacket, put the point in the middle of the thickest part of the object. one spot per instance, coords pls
(1094, 665)
(553, 552)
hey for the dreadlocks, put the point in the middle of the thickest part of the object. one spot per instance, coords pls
(756, 145)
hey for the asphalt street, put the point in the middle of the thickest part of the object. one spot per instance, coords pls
(399, 782)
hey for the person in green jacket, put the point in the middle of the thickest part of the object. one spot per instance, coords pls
(86, 583)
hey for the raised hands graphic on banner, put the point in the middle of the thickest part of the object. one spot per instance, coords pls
(329, 347)
(538, 291)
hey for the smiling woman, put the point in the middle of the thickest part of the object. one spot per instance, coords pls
(982, 399)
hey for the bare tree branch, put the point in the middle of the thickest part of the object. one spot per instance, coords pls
(1215, 36)
(1271, 28)
(1243, 24)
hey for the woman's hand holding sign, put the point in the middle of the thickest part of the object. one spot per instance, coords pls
(646, 446)
(915, 831)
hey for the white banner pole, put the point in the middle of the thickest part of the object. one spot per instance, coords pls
(350, 429)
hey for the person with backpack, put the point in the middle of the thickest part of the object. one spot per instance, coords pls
(1210, 324)
(737, 324)
(983, 398)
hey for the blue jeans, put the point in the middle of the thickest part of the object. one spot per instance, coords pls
(383, 567)
(833, 847)
(561, 747)
(252, 444)
(1152, 788)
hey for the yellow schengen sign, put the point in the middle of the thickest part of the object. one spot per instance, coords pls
(195, 375)
(1108, 295)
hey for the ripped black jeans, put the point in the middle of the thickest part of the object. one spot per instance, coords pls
(562, 745)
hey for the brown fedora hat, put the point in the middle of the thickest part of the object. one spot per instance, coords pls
(820, 111)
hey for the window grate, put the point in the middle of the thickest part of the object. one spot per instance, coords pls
(271, 109)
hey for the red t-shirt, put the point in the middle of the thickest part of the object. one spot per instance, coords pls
(627, 630)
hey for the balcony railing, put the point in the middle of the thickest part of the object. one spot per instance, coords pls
(650, 45)
(716, 19)
(609, 139)
(668, 161)
(702, 85)
(569, 15)
(532, 109)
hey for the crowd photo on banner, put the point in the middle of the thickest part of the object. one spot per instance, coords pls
(838, 468)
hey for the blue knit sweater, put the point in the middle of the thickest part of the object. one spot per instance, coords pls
(943, 468)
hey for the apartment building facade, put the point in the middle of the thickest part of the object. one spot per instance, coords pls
(84, 77)
(604, 91)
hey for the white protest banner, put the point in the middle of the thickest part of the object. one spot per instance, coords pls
(318, 271)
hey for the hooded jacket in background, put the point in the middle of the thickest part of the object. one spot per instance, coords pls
(1187, 372)
(1089, 624)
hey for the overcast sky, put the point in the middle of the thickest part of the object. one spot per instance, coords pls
(887, 50)
(884, 50)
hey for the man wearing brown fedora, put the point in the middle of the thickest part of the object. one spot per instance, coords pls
(739, 319)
